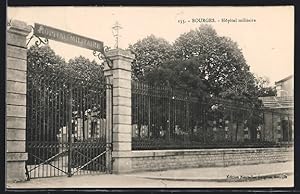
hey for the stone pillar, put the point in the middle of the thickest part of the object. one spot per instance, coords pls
(120, 77)
(15, 118)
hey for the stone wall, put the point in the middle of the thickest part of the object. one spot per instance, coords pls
(172, 159)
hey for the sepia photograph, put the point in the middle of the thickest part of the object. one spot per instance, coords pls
(149, 97)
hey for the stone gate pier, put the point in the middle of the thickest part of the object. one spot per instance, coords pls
(120, 77)
(15, 102)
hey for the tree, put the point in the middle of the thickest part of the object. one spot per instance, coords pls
(178, 74)
(89, 77)
(43, 60)
(43, 65)
(49, 78)
(263, 88)
(217, 63)
(198, 42)
(150, 53)
(84, 69)
(221, 63)
(206, 64)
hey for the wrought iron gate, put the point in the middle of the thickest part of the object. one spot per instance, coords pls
(68, 130)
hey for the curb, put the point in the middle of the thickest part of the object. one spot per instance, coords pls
(229, 178)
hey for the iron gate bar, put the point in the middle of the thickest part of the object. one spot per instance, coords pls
(69, 123)
(49, 164)
(46, 161)
(86, 157)
(27, 173)
(89, 162)
(52, 129)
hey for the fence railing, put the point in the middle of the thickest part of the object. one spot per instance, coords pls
(66, 125)
(165, 118)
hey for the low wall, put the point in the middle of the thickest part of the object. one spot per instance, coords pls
(172, 159)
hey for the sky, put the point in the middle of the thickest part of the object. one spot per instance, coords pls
(267, 43)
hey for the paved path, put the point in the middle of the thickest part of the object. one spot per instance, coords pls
(221, 173)
(145, 179)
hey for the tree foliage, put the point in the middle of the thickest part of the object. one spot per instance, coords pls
(263, 88)
(204, 64)
(150, 53)
(201, 61)
(86, 70)
(221, 63)
(43, 61)
(50, 80)
(198, 42)
(178, 74)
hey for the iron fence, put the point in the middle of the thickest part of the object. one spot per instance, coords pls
(66, 125)
(166, 118)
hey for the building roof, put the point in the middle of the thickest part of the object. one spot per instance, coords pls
(284, 79)
(275, 102)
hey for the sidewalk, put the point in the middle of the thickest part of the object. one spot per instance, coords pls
(223, 174)
(263, 175)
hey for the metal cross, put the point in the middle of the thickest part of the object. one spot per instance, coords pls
(115, 30)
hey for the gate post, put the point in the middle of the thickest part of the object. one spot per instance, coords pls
(15, 102)
(120, 77)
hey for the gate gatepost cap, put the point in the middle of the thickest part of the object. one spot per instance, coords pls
(121, 59)
(18, 27)
(116, 54)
